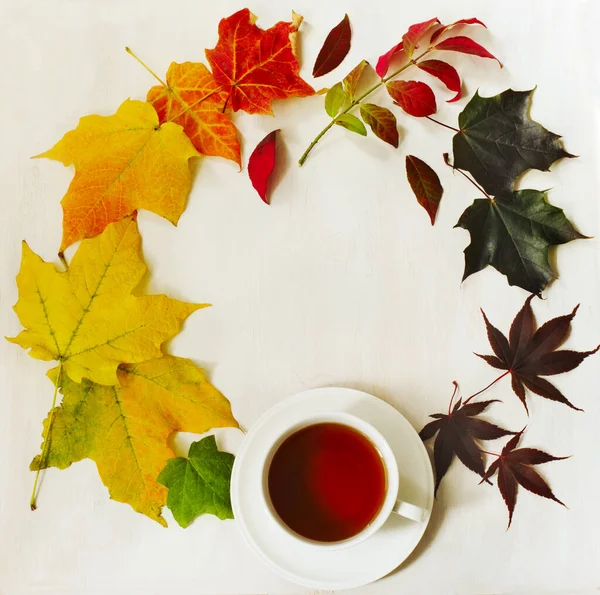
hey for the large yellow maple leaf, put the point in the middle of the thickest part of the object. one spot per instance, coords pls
(193, 99)
(87, 318)
(123, 162)
(125, 428)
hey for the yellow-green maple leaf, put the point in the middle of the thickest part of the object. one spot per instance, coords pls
(123, 162)
(125, 428)
(87, 317)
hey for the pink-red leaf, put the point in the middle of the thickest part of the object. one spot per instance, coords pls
(415, 98)
(381, 121)
(446, 73)
(383, 63)
(425, 184)
(441, 30)
(261, 164)
(335, 48)
(415, 33)
(465, 45)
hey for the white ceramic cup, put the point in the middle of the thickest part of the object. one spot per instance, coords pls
(391, 503)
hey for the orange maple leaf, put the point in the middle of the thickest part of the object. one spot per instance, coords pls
(256, 66)
(193, 99)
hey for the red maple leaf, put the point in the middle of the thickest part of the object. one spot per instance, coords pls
(256, 66)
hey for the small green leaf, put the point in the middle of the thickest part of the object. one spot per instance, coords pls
(513, 233)
(381, 121)
(352, 123)
(199, 484)
(334, 100)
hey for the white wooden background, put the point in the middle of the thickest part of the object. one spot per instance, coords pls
(342, 281)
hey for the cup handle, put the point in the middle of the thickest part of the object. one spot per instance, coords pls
(410, 511)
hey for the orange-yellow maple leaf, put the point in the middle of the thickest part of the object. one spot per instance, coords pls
(125, 428)
(123, 162)
(193, 99)
(256, 66)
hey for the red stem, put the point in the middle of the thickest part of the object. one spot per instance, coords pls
(452, 397)
(488, 386)
(485, 452)
(442, 124)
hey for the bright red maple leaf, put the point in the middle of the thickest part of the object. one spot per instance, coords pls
(256, 66)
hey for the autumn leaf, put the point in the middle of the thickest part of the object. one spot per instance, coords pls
(383, 62)
(193, 99)
(456, 434)
(439, 32)
(529, 354)
(199, 484)
(123, 162)
(125, 428)
(256, 66)
(498, 141)
(87, 318)
(415, 33)
(515, 467)
(425, 184)
(445, 73)
(335, 48)
(262, 163)
(465, 45)
(381, 121)
(352, 79)
(513, 233)
(415, 98)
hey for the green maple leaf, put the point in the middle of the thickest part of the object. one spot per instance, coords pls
(513, 233)
(199, 484)
(498, 141)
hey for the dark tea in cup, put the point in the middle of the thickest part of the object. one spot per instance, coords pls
(327, 482)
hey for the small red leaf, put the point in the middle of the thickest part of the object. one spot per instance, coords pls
(415, 98)
(415, 33)
(446, 73)
(441, 30)
(465, 45)
(425, 184)
(383, 63)
(335, 48)
(261, 164)
(382, 122)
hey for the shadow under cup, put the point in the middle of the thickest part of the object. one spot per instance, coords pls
(326, 480)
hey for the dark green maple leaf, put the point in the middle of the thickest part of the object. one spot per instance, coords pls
(199, 484)
(498, 141)
(513, 233)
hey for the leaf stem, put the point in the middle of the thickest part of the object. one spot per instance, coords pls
(460, 171)
(354, 103)
(488, 386)
(442, 124)
(493, 454)
(32, 502)
(452, 397)
(128, 50)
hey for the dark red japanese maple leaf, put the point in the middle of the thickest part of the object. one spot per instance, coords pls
(527, 355)
(514, 467)
(456, 434)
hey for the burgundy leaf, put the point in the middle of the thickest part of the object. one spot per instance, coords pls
(441, 30)
(529, 354)
(381, 121)
(383, 63)
(446, 73)
(514, 469)
(415, 98)
(415, 33)
(465, 45)
(456, 432)
(425, 184)
(335, 48)
(261, 164)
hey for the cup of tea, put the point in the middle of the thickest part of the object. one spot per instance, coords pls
(332, 480)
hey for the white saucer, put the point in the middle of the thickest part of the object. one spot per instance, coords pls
(303, 563)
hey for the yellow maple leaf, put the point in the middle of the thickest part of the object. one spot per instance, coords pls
(123, 162)
(125, 428)
(193, 99)
(87, 318)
